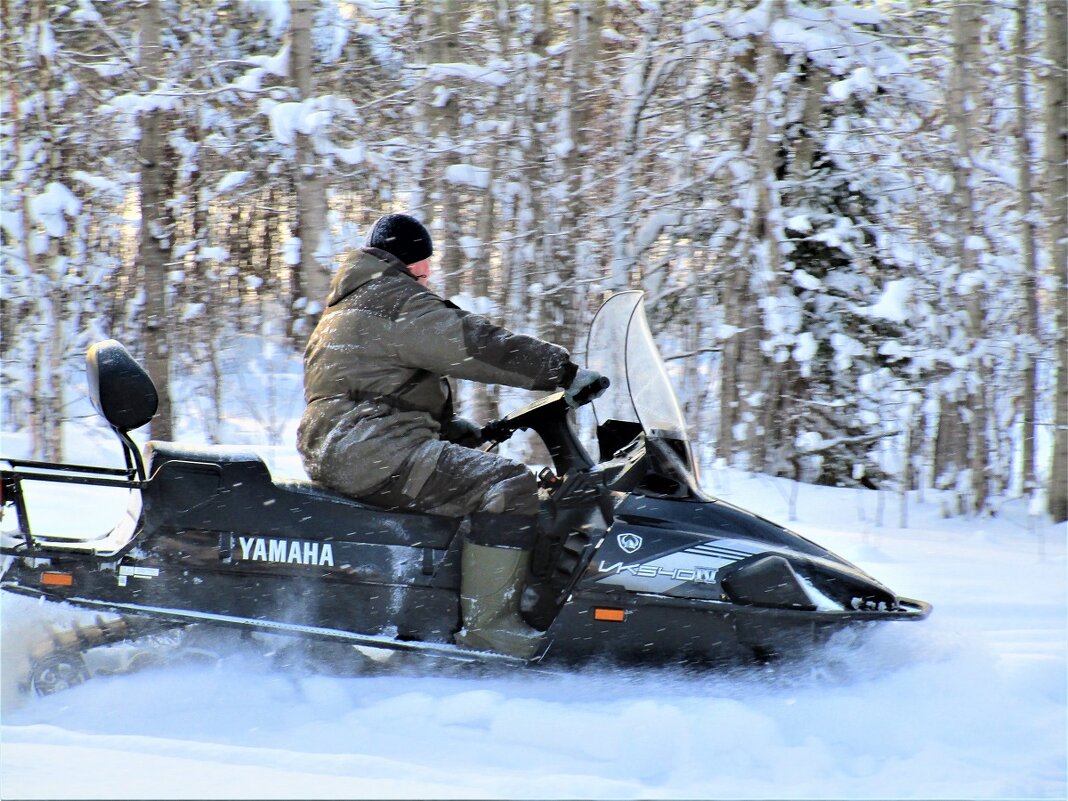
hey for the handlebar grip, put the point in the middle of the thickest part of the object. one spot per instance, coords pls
(496, 431)
(592, 391)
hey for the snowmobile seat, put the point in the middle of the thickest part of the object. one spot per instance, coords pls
(218, 488)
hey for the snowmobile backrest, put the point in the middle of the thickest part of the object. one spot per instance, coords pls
(119, 387)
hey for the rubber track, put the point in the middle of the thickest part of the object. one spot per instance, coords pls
(67, 647)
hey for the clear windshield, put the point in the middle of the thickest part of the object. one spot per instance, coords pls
(621, 346)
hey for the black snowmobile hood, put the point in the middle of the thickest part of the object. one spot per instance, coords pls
(716, 518)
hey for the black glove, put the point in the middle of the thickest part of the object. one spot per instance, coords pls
(462, 432)
(584, 387)
(496, 431)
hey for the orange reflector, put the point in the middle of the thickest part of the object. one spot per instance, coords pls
(57, 579)
(611, 615)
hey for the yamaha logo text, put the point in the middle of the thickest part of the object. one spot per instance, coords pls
(287, 552)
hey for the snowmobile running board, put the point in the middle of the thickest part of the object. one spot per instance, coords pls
(445, 650)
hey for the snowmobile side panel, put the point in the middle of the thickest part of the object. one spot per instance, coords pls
(406, 612)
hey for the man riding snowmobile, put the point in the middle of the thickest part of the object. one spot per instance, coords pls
(380, 426)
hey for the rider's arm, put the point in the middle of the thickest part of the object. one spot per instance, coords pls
(433, 334)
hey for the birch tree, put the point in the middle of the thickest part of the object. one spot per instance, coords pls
(157, 223)
(313, 278)
(1056, 163)
(964, 417)
(827, 205)
(1028, 244)
(573, 153)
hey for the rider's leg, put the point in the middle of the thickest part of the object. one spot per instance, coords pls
(496, 556)
(502, 498)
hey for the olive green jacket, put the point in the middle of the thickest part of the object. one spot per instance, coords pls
(375, 374)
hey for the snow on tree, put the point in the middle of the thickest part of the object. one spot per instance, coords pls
(827, 205)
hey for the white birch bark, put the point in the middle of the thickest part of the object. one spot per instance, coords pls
(964, 97)
(445, 130)
(311, 186)
(156, 225)
(776, 423)
(739, 366)
(1028, 252)
(1056, 163)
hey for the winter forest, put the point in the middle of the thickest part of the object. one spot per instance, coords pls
(849, 218)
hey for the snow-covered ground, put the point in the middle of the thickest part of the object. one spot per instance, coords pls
(968, 704)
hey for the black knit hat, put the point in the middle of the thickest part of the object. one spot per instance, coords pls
(403, 236)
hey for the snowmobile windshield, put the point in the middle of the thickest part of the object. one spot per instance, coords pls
(621, 346)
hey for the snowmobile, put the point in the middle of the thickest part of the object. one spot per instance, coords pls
(634, 563)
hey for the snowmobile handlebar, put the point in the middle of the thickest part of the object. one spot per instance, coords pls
(497, 431)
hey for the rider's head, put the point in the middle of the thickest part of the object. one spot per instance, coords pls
(403, 236)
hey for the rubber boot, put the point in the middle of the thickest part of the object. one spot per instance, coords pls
(490, 585)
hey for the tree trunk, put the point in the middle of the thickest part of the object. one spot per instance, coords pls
(1057, 203)
(15, 400)
(483, 404)
(587, 19)
(638, 88)
(527, 261)
(314, 275)
(777, 422)
(742, 361)
(156, 225)
(1028, 258)
(444, 128)
(48, 366)
(964, 99)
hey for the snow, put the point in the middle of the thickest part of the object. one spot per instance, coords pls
(472, 248)
(893, 302)
(231, 180)
(800, 223)
(845, 349)
(213, 252)
(970, 703)
(806, 280)
(86, 13)
(52, 206)
(276, 11)
(100, 185)
(806, 347)
(468, 175)
(291, 250)
(286, 120)
(355, 154)
(471, 72)
(860, 82)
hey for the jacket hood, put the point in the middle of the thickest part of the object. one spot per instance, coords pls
(366, 265)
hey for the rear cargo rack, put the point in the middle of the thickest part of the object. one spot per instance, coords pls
(130, 477)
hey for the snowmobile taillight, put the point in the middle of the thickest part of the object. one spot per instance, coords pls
(609, 615)
(57, 579)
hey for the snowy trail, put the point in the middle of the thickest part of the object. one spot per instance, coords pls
(969, 704)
